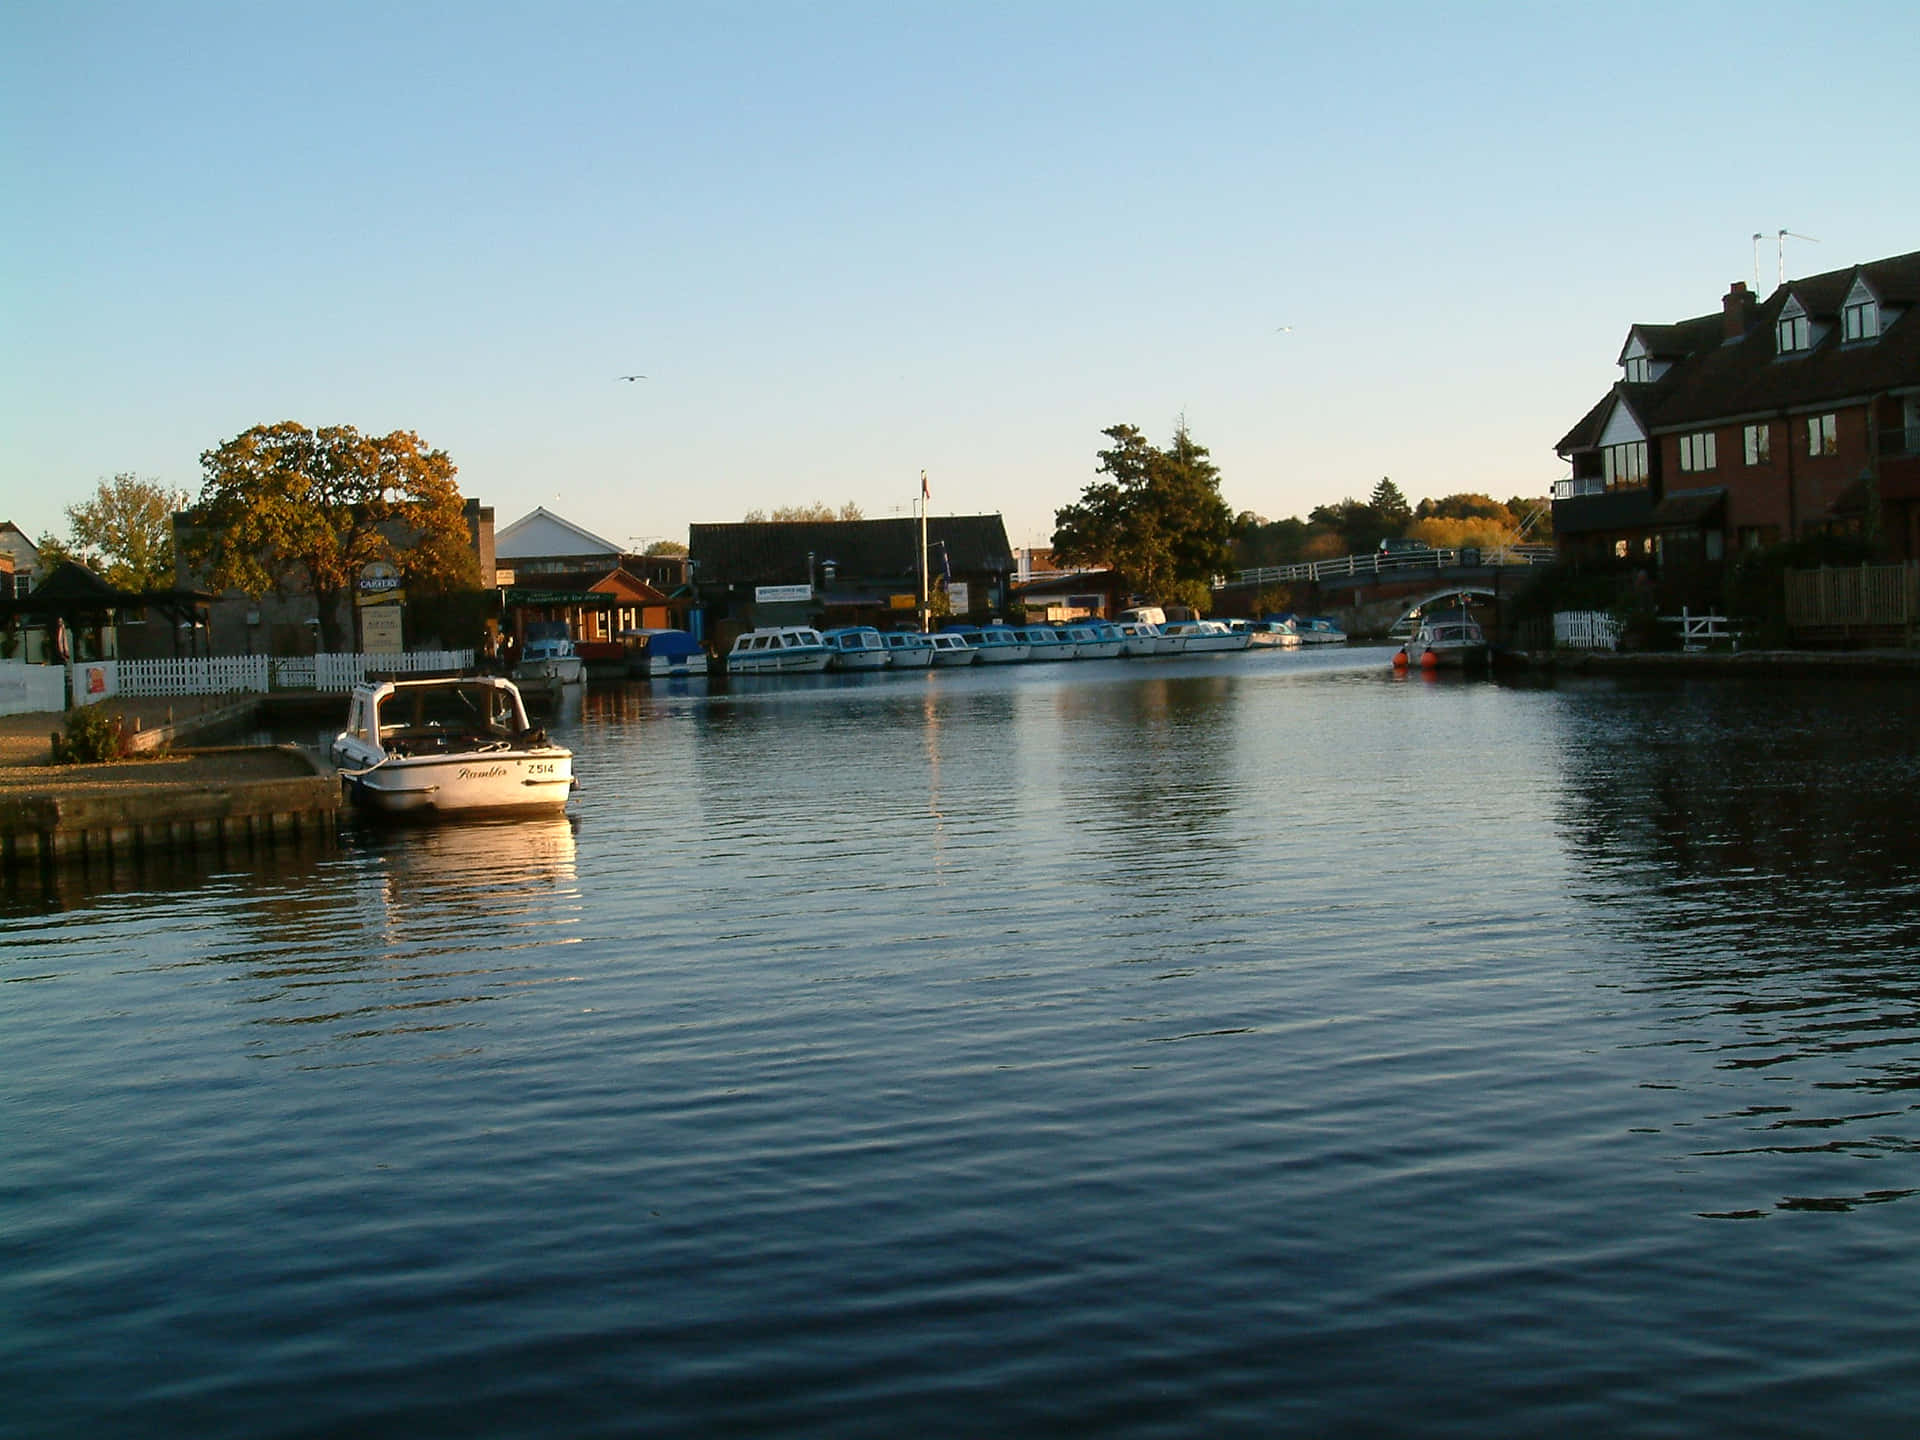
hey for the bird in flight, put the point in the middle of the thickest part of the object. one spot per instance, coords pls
(629, 377)
(1282, 329)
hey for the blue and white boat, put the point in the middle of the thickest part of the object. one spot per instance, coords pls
(1096, 639)
(950, 649)
(1140, 639)
(908, 649)
(855, 647)
(658, 654)
(780, 649)
(1044, 642)
(1195, 637)
(992, 644)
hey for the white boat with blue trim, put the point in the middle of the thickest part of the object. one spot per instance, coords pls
(778, 649)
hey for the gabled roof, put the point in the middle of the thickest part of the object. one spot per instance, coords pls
(1716, 380)
(620, 584)
(775, 553)
(1674, 342)
(544, 535)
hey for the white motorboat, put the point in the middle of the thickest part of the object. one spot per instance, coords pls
(950, 649)
(1267, 634)
(992, 644)
(435, 748)
(908, 649)
(1044, 642)
(548, 659)
(855, 647)
(1452, 641)
(1319, 631)
(1096, 639)
(1196, 637)
(778, 649)
(1142, 638)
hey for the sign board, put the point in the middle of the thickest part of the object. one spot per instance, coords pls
(781, 594)
(379, 585)
(904, 602)
(957, 596)
(380, 630)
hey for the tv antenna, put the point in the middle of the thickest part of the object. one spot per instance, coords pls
(1780, 246)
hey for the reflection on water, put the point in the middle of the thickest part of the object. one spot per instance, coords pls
(1259, 1047)
(1751, 846)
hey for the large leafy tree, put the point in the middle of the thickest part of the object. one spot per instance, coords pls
(1156, 516)
(125, 531)
(283, 506)
(1390, 507)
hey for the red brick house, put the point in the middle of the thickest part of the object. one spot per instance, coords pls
(1768, 421)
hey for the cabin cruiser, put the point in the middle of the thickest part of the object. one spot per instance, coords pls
(1141, 638)
(433, 748)
(1195, 637)
(656, 654)
(950, 649)
(1451, 641)
(1267, 634)
(1046, 643)
(548, 660)
(908, 649)
(855, 647)
(992, 644)
(1096, 639)
(778, 649)
(1319, 631)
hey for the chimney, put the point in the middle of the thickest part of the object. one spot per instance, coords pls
(1737, 307)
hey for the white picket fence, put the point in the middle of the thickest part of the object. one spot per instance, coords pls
(98, 680)
(1585, 630)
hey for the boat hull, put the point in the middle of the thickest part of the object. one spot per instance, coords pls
(519, 782)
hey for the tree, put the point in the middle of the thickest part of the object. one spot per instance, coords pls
(283, 506)
(1390, 507)
(675, 549)
(1157, 518)
(126, 532)
(817, 512)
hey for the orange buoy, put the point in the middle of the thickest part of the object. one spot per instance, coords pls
(1399, 659)
(1429, 661)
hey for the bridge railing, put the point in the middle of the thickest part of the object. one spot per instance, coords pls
(1391, 562)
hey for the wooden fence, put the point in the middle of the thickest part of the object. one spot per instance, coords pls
(1859, 599)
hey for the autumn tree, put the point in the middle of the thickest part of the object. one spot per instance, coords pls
(667, 549)
(796, 514)
(284, 507)
(1156, 517)
(125, 532)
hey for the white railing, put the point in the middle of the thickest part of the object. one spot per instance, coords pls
(26, 689)
(1699, 631)
(1585, 630)
(1395, 562)
(343, 672)
(207, 675)
(97, 680)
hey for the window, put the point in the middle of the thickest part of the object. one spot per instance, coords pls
(1759, 444)
(1822, 437)
(1860, 320)
(1639, 369)
(1626, 465)
(1697, 451)
(1792, 331)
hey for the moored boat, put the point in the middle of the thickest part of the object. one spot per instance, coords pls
(445, 747)
(1453, 641)
(855, 647)
(779, 649)
(908, 649)
(1044, 642)
(951, 650)
(992, 644)
(1142, 638)
(548, 660)
(655, 654)
(1319, 631)
(1196, 637)
(1096, 639)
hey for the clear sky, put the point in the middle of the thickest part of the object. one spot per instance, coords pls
(848, 242)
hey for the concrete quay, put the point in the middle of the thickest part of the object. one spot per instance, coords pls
(219, 798)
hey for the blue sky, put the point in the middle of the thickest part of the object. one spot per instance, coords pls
(848, 242)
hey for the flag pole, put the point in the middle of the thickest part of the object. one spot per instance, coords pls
(924, 607)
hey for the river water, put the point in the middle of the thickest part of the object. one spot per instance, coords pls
(1243, 1045)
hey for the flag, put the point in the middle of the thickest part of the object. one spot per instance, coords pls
(925, 494)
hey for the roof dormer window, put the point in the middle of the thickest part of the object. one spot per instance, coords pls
(1860, 315)
(1639, 370)
(1792, 331)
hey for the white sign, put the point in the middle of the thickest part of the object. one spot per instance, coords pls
(781, 594)
(380, 630)
(957, 596)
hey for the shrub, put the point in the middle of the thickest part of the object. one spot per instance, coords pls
(91, 738)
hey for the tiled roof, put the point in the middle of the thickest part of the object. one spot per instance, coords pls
(773, 553)
(1718, 380)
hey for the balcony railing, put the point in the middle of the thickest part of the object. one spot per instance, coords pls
(1899, 441)
(1579, 485)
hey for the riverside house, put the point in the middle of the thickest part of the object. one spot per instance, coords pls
(1765, 421)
